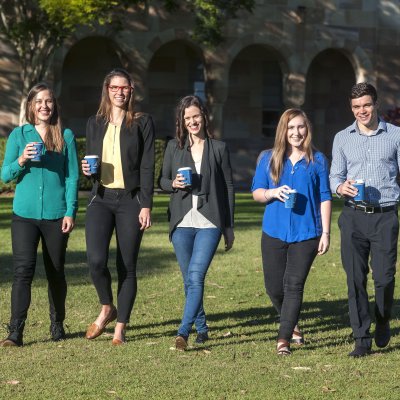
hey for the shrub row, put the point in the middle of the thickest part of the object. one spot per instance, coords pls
(85, 184)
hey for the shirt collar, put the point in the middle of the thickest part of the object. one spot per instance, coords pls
(29, 127)
(381, 128)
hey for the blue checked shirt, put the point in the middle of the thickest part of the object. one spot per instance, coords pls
(374, 158)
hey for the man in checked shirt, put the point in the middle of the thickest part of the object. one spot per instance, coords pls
(369, 149)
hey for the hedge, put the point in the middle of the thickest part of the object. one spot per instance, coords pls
(84, 183)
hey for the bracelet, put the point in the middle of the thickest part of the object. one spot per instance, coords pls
(327, 233)
(265, 192)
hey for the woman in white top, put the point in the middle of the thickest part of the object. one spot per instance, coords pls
(199, 213)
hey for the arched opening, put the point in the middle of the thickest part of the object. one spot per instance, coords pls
(175, 70)
(328, 83)
(83, 72)
(255, 99)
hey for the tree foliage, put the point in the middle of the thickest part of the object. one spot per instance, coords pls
(37, 27)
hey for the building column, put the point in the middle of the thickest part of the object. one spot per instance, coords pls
(294, 92)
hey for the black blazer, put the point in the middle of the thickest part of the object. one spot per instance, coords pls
(215, 189)
(137, 154)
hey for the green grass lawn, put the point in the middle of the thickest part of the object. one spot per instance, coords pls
(238, 363)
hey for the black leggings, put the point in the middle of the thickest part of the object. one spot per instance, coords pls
(286, 267)
(109, 209)
(26, 233)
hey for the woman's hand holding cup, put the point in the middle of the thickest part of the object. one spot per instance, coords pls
(178, 182)
(281, 192)
(28, 153)
(85, 168)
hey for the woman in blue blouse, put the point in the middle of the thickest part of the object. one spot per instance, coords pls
(44, 207)
(292, 237)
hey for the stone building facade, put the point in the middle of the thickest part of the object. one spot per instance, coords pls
(287, 53)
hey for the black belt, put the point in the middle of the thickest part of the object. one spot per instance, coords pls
(370, 209)
(116, 192)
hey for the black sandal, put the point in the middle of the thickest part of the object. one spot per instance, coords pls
(283, 348)
(299, 341)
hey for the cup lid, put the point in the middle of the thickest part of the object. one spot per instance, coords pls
(292, 191)
(359, 181)
(91, 156)
(184, 169)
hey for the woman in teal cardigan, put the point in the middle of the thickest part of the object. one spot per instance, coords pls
(44, 207)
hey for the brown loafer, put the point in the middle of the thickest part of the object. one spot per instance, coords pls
(94, 330)
(118, 342)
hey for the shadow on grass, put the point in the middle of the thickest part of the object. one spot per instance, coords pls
(318, 319)
(77, 271)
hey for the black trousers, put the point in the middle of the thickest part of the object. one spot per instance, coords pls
(365, 236)
(286, 267)
(25, 234)
(108, 210)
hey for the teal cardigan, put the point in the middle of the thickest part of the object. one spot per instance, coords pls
(47, 189)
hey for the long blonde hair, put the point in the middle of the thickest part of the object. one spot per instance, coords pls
(281, 143)
(53, 140)
(104, 110)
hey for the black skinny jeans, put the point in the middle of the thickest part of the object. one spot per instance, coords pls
(109, 209)
(286, 267)
(25, 234)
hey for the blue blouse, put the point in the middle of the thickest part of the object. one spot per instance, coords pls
(311, 180)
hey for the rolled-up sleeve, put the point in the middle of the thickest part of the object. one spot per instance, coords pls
(338, 171)
(323, 173)
(261, 178)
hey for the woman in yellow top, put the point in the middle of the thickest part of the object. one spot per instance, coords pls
(121, 197)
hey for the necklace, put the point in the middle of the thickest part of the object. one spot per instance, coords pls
(298, 159)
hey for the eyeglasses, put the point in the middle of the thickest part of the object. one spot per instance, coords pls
(114, 88)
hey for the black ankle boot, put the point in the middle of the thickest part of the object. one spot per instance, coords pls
(57, 331)
(14, 338)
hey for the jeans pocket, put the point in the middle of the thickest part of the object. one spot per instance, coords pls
(91, 199)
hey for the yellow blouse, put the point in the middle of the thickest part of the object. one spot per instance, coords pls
(111, 166)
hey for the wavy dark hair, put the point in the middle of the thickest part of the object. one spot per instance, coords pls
(363, 89)
(181, 132)
(53, 140)
(104, 110)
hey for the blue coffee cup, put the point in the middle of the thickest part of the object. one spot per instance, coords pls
(93, 162)
(291, 200)
(38, 146)
(187, 174)
(360, 185)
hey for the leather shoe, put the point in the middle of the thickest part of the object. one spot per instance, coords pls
(360, 351)
(118, 342)
(95, 330)
(181, 343)
(202, 337)
(57, 331)
(382, 334)
(8, 343)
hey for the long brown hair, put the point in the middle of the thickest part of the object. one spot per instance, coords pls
(104, 110)
(181, 132)
(53, 140)
(281, 143)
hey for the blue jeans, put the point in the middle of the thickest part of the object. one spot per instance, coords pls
(194, 249)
